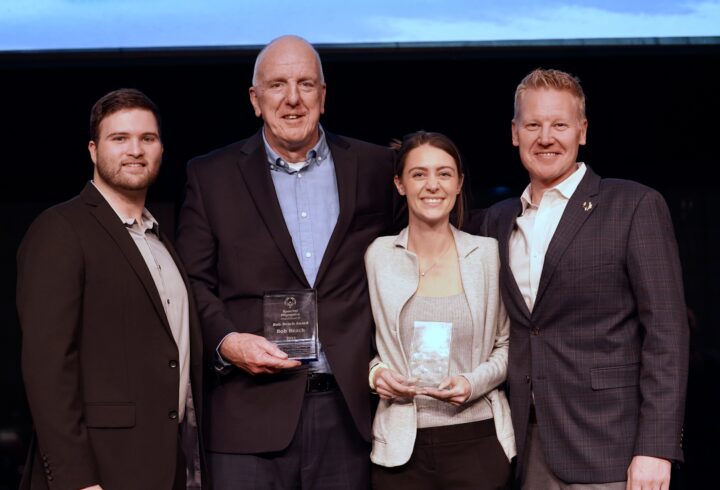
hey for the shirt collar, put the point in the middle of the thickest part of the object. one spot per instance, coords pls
(149, 221)
(565, 189)
(317, 154)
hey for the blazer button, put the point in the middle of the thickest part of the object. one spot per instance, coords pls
(173, 364)
(536, 331)
(172, 414)
(527, 378)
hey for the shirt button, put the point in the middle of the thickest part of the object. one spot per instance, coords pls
(173, 364)
(172, 414)
(303, 214)
(308, 254)
(168, 301)
(299, 175)
(536, 331)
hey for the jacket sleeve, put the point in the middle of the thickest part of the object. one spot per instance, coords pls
(656, 280)
(197, 246)
(50, 284)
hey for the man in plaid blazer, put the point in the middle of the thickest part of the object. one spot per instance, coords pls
(592, 283)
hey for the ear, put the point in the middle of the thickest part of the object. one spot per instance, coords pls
(515, 139)
(254, 101)
(461, 180)
(398, 185)
(323, 92)
(92, 148)
(583, 131)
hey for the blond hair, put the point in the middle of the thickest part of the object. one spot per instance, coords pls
(552, 80)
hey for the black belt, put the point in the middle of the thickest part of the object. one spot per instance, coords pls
(320, 382)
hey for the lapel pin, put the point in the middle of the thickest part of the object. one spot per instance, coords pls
(587, 205)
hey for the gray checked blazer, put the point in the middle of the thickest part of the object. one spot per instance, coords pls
(605, 349)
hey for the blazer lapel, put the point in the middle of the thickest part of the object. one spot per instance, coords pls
(109, 220)
(504, 233)
(579, 208)
(346, 175)
(255, 172)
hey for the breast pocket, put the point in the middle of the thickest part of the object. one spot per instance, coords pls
(604, 378)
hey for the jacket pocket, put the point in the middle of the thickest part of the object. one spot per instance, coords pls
(109, 415)
(615, 376)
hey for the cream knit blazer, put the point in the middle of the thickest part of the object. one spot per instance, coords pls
(393, 278)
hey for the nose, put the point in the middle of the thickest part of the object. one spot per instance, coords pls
(293, 94)
(135, 147)
(546, 136)
(431, 184)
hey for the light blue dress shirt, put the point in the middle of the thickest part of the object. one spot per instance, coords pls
(309, 202)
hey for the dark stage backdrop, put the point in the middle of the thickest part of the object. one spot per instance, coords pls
(652, 107)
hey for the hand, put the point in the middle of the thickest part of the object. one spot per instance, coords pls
(648, 473)
(454, 390)
(391, 385)
(255, 354)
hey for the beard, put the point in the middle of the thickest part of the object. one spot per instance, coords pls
(114, 176)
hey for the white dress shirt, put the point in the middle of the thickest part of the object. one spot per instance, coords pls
(534, 229)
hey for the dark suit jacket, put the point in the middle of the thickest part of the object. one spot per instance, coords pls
(236, 246)
(98, 357)
(605, 349)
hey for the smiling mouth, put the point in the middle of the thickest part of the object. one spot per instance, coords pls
(292, 117)
(134, 164)
(432, 200)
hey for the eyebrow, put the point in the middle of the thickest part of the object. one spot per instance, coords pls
(127, 133)
(422, 167)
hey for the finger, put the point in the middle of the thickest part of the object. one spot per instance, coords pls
(447, 383)
(398, 391)
(397, 386)
(441, 395)
(284, 363)
(400, 379)
(264, 345)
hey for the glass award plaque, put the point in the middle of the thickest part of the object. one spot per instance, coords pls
(430, 358)
(290, 321)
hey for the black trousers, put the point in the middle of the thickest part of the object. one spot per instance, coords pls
(326, 453)
(462, 456)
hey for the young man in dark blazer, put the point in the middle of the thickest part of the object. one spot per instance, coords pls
(111, 341)
(592, 283)
(291, 208)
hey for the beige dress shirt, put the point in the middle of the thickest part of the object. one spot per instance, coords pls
(170, 287)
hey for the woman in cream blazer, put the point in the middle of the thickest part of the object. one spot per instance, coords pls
(466, 438)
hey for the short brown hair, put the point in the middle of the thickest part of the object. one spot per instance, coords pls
(117, 100)
(441, 142)
(554, 80)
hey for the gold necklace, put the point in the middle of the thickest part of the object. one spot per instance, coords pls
(437, 260)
